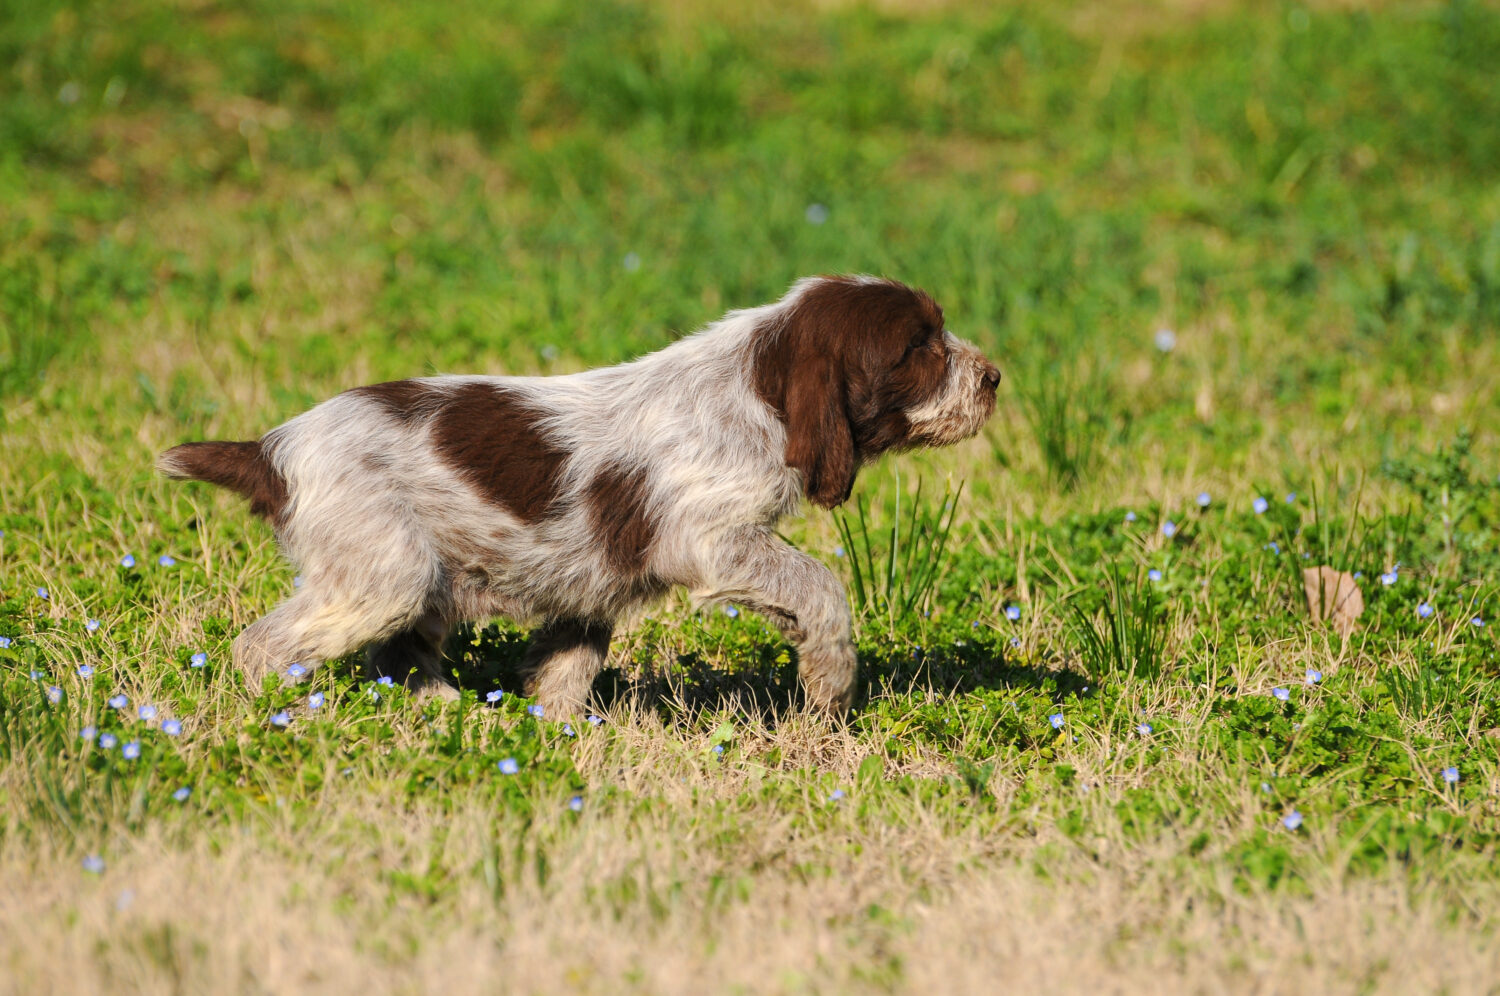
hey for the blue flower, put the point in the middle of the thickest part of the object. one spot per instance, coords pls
(718, 748)
(1144, 729)
(1260, 505)
(93, 864)
(54, 694)
(1015, 641)
(296, 670)
(42, 593)
(1314, 676)
(1424, 610)
(576, 804)
(1169, 529)
(166, 560)
(1281, 693)
(1273, 546)
(199, 659)
(1056, 719)
(1476, 621)
(1129, 516)
(594, 720)
(92, 625)
(119, 701)
(837, 795)
(297, 581)
(171, 727)
(568, 730)
(4, 642)
(1204, 500)
(147, 712)
(85, 671)
(88, 733)
(128, 560)
(1154, 574)
(1292, 820)
(1450, 775)
(315, 700)
(1389, 578)
(731, 611)
(535, 710)
(1165, 340)
(282, 718)
(1291, 497)
(107, 741)
(1012, 612)
(131, 750)
(181, 794)
(838, 551)
(1265, 786)
(494, 696)
(508, 766)
(385, 680)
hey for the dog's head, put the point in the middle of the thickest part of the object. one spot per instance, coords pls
(855, 366)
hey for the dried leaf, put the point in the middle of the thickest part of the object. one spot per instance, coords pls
(1333, 595)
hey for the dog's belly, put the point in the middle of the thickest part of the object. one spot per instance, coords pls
(517, 575)
(480, 592)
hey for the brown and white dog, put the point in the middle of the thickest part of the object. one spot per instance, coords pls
(570, 501)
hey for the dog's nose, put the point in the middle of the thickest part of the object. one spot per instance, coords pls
(991, 375)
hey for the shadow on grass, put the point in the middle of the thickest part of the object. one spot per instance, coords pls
(762, 684)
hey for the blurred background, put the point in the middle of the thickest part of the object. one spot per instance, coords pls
(1191, 231)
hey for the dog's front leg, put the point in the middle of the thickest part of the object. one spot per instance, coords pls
(802, 599)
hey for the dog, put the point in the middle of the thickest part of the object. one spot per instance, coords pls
(569, 502)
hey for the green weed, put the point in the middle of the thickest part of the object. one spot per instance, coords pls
(1127, 638)
(893, 574)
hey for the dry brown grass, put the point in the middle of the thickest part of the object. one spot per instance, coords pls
(649, 904)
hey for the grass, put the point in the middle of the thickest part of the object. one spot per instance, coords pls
(212, 216)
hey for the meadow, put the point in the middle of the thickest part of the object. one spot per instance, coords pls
(1239, 263)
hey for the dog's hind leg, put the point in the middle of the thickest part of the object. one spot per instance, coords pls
(414, 657)
(321, 622)
(562, 660)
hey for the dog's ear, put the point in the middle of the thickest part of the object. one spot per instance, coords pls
(801, 375)
(819, 438)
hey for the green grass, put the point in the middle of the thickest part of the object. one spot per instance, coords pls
(213, 216)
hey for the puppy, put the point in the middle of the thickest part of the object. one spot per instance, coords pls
(570, 501)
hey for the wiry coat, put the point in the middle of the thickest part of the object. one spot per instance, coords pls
(569, 501)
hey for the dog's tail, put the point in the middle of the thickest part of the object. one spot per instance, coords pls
(241, 467)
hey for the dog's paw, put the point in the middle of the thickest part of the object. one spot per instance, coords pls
(433, 690)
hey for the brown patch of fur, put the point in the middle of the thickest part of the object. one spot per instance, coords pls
(488, 434)
(492, 438)
(239, 466)
(406, 400)
(616, 500)
(841, 368)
